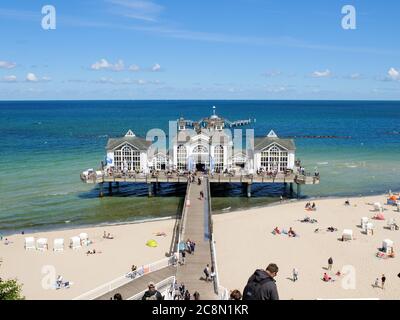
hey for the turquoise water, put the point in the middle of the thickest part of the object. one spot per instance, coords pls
(45, 145)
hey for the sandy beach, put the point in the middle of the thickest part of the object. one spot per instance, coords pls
(86, 272)
(245, 242)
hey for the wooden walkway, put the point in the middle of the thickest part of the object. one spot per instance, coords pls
(196, 229)
(138, 285)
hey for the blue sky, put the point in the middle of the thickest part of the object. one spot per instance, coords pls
(220, 49)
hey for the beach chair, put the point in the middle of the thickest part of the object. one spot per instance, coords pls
(378, 207)
(30, 243)
(347, 234)
(41, 244)
(369, 227)
(387, 246)
(364, 221)
(58, 245)
(84, 238)
(75, 242)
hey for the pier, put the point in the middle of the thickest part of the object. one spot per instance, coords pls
(197, 229)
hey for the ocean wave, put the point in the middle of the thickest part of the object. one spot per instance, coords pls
(55, 194)
(322, 163)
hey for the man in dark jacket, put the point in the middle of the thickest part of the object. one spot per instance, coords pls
(152, 293)
(261, 285)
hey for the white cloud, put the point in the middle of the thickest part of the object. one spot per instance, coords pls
(11, 78)
(7, 65)
(31, 77)
(272, 73)
(156, 67)
(138, 9)
(321, 74)
(393, 74)
(355, 76)
(134, 68)
(103, 64)
(45, 78)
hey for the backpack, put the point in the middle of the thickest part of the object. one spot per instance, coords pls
(251, 291)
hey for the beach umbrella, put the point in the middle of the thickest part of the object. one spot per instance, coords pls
(152, 243)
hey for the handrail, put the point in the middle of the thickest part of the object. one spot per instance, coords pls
(211, 235)
(182, 224)
(127, 278)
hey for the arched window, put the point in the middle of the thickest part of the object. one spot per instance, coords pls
(160, 161)
(273, 159)
(219, 158)
(200, 149)
(127, 158)
(181, 154)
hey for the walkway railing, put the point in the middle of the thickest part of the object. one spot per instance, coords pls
(182, 224)
(165, 287)
(219, 290)
(127, 278)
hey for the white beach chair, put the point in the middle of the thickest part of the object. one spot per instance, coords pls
(41, 244)
(84, 239)
(30, 243)
(387, 246)
(364, 221)
(378, 207)
(347, 234)
(75, 242)
(369, 227)
(58, 245)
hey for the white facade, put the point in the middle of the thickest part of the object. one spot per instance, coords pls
(205, 150)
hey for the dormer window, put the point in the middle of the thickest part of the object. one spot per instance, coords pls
(181, 127)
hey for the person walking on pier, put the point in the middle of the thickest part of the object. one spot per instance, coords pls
(192, 246)
(201, 195)
(207, 272)
(183, 253)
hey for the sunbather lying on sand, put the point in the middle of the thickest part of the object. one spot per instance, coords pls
(331, 229)
(327, 278)
(161, 234)
(291, 233)
(92, 252)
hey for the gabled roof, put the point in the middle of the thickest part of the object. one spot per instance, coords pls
(139, 143)
(262, 143)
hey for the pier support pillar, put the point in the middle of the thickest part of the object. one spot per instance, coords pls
(291, 189)
(298, 190)
(117, 183)
(154, 188)
(248, 190)
(101, 194)
(150, 188)
(110, 188)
